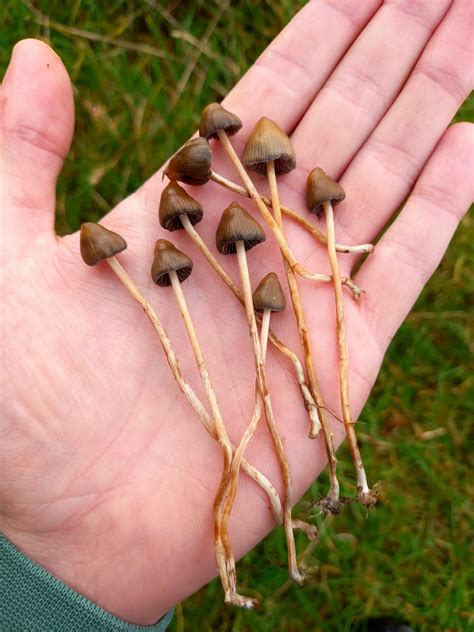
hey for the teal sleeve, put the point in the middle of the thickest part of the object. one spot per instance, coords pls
(32, 600)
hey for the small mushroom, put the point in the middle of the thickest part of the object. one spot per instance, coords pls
(179, 210)
(238, 232)
(214, 118)
(99, 243)
(321, 188)
(192, 163)
(222, 135)
(269, 151)
(171, 267)
(321, 193)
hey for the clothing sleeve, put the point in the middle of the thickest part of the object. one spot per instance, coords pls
(32, 600)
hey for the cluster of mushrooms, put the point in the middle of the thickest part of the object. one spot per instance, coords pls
(268, 151)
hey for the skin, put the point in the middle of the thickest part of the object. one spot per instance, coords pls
(106, 477)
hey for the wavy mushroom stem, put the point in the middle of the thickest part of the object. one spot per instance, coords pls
(292, 214)
(272, 427)
(268, 217)
(308, 399)
(364, 494)
(223, 549)
(333, 493)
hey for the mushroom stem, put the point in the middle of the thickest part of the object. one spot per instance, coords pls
(184, 386)
(333, 494)
(294, 215)
(223, 549)
(309, 402)
(263, 388)
(364, 494)
(287, 253)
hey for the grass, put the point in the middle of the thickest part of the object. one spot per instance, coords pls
(410, 557)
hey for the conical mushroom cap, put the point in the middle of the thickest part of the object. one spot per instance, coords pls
(98, 243)
(192, 163)
(174, 203)
(237, 224)
(167, 258)
(268, 142)
(321, 188)
(214, 118)
(269, 294)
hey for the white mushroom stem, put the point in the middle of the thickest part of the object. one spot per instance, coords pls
(268, 217)
(363, 491)
(333, 494)
(294, 215)
(263, 388)
(308, 399)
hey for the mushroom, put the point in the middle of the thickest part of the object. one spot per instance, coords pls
(216, 123)
(269, 150)
(179, 210)
(192, 163)
(238, 232)
(171, 267)
(322, 192)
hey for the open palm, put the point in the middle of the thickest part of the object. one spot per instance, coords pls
(107, 478)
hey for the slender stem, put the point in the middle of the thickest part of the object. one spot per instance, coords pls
(294, 215)
(263, 388)
(306, 346)
(362, 487)
(285, 249)
(223, 549)
(309, 402)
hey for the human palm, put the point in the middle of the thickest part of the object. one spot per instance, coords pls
(107, 478)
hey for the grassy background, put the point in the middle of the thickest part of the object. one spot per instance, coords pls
(142, 69)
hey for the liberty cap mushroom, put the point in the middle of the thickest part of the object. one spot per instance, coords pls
(192, 163)
(321, 193)
(269, 295)
(98, 243)
(321, 188)
(237, 225)
(170, 267)
(269, 150)
(176, 203)
(268, 143)
(214, 118)
(238, 232)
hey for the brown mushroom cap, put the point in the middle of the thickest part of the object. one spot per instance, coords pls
(99, 243)
(174, 203)
(321, 188)
(269, 294)
(237, 224)
(214, 118)
(167, 258)
(192, 163)
(268, 142)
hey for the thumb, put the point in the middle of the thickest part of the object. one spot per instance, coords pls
(36, 126)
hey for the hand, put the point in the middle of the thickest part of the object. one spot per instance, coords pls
(107, 478)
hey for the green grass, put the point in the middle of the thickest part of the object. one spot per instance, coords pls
(410, 557)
